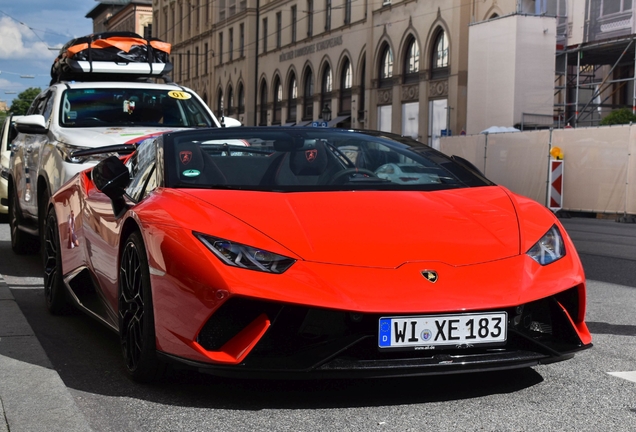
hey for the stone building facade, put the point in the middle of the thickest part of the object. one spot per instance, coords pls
(397, 66)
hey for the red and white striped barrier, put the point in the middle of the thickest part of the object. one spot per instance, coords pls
(555, 197)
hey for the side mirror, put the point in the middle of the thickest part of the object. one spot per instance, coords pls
(111, 177)
(31, 124)
(231, 122)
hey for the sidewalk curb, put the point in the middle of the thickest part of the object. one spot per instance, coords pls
(33, 397)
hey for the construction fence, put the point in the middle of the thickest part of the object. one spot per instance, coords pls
(599, 170)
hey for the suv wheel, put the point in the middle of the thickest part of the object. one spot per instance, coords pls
(22, 243)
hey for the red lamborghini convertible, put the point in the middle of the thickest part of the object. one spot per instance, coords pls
(280, 252)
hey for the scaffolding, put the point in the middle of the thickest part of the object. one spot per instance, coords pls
(593, 79)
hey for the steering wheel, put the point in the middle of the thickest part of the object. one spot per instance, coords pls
(347, 172)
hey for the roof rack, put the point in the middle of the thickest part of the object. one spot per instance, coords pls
(112, 56)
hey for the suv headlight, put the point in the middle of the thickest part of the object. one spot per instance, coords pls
(66, 150)
(247, 257)
(549, 248)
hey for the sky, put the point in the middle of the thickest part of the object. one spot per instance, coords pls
(28, 29)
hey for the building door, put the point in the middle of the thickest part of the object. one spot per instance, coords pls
(436, 121)
(384, 118)
(410, 123)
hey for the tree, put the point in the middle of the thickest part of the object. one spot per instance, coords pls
(620, 116)
(21, 104)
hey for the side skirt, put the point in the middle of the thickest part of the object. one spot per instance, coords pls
(84, 294)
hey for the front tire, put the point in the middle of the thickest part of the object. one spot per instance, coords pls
(22, 243)
(54, 291)
(136, 316)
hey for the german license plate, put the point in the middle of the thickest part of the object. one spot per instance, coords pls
(442, 330)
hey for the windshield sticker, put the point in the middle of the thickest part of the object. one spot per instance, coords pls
(191, 173)
(71, 115)
(179, 95)
(129, 106)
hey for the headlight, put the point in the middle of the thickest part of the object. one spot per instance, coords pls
(247, 257)
(66, 150)
(549, 249)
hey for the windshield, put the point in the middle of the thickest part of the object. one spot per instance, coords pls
(308, 159)
(112, 107)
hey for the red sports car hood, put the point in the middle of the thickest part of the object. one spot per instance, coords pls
(380, 229)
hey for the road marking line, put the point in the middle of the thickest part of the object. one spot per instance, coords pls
(629, 376)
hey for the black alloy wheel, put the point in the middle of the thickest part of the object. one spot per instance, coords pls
(136, 317)
(22, 243)
(54, 291)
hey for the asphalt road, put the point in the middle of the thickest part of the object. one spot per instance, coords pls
(577, 395)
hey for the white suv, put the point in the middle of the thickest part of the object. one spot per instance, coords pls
(71, 116)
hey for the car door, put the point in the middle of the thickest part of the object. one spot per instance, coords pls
(102, 229)
(28, 154)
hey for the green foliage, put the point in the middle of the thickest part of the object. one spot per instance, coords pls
(620, 116)
(21, 104)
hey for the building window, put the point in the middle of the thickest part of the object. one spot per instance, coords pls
(196, 62)
(292, 99)
(386, 66)
(440, 56)
(345, 88)
(347, 12)
(264, 35)
(165, 23)
(232, 8)
(188, 64)
(241, 40)
(241, 99)
(180, 66)
(308, 96)
(278, 101)
(219, 104)
(205, 59)
(221, 10)
(221, 47)
(412, 61)
(229, 108)
(310, 18)
(616, 6)
(325, 88)
(180, 23)
(231, 34)
(263, 120)
(362, 96)
(327, 15)
(279, 28)
(294, 19)
(172, 21)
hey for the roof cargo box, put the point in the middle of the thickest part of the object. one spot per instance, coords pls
(112, 56)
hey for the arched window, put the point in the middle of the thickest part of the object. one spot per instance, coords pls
(241, 99)
(308, 96)
(345, 88)
(325, 88)
(386, 66)
(278, 101)
(412, 61)
(440, 56)
(230, 101)
(362, 96)
(263, 110)
(219, 104)
(292, 99)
